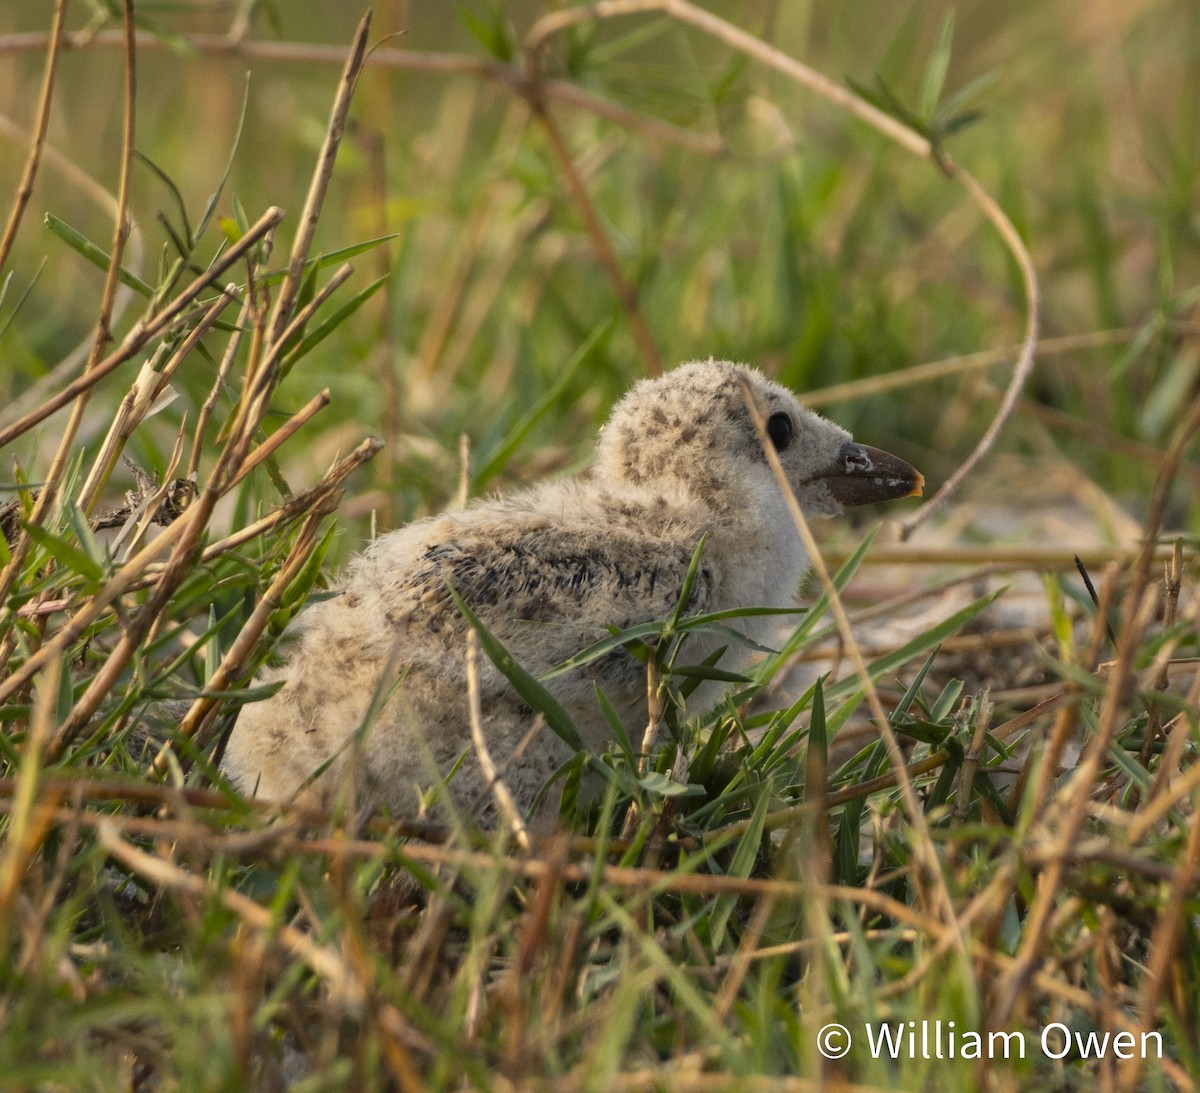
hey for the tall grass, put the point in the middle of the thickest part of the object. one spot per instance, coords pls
(185, 404)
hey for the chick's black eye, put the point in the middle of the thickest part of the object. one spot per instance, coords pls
(779, 429)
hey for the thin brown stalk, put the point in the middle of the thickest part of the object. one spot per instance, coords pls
(145, 330)
(970, 764)
(228, 671)
(210, 403)
(1180, 728)
(605, 255)
(897, 131)
(745, 955)
(265, 367)
(1172, 585)
(385, 353)
(463, 494)
(345, 990)
(493, 278)
(922, 842)
(32, 806)
(48, 495)
(1068, 715)
(281, 435)
(452, 289)
(91, 189)
(1164, 945)
(319, 186)
(121, 221)
(1100, 436)
(508, 76)
(505, 805)
(958, 365)
(38, 141)
(138, 791)
(262, 377)
(1001, 556)
(1023, 368)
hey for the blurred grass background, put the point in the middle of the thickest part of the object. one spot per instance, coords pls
(805, 244)
(764, 226)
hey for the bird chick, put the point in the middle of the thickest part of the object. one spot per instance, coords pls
(375, 680)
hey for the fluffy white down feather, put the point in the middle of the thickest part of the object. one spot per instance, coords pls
(548, 570)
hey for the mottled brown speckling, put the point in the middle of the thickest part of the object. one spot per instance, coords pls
(547, 570)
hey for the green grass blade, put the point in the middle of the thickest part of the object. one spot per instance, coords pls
(98, 256)
(496, 462)
(525, 684)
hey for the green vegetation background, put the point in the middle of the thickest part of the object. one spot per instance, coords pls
(201, 947)
(810, 246)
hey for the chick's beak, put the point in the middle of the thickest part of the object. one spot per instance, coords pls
(862, 474)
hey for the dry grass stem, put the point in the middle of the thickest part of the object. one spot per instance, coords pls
(607, 257)
(505, 805)
(229, 670)
(511, 77)
(145, 330)
(937, 799)
(319, 186)
(38, 141)
(922, 843)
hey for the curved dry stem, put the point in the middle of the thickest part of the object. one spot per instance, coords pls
(894, 130)
(740, 40)
(922, 841)
(319, 185)
(436, 64)
(49, 493)
(1024, 365)
(607, 257)
(41, 124)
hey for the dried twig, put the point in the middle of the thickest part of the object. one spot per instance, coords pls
(229, 670)
(607, 257)
(923, 846)
(319, 185)
(907, 138)
(146, 329)
(40, 125)
(501, 794)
